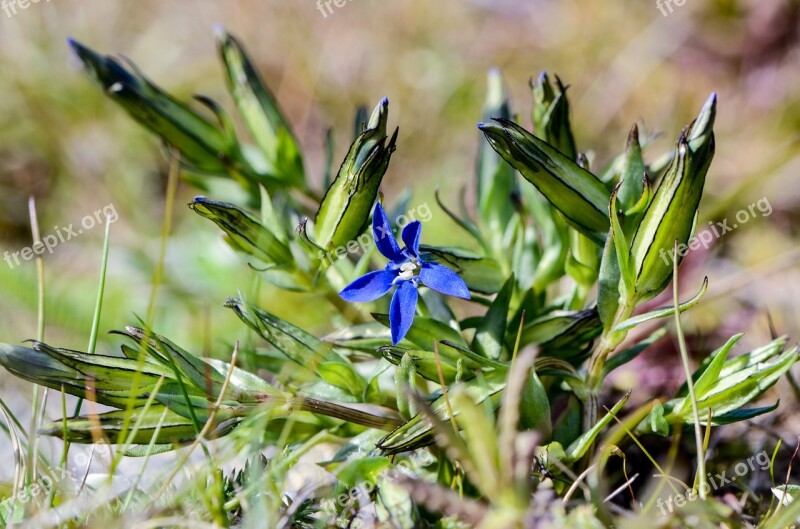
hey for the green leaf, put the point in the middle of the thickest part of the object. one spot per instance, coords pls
(561, 333)
(177, 359)
(490, 334)
(744, 414)
(174, 429)
(535, 407)
(366, 469)
(664, 311)
(364, 337)
(755, 357)
(732, 392)
(298, 345)
(658, 424)
(609, 280)
(633, 170)
(550, 115)
(342, 376)
(786, 494)
(405, 380)
(418, 432)
(481, 274)
(455, 361)
(578, 448)
(106, 379)
(423, 363)
(626, 271)
(711, 373)
(576, 192)
(542, 247)
(425, 331)
(144, 450)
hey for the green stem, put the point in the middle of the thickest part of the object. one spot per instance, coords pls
(698, 431)
(37, 406)
(606, 344)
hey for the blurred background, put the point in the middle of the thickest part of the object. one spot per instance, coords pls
(64, 143)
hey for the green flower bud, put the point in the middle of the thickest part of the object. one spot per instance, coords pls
(345, 209)
(243, 232)
(496, 179)
(261, 114)
(671, 214)
(550, 115)
(563, 334)
(204, 146)
(633, 171)
(576, 192)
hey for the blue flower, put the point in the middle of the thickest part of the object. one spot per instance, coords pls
(407, 270)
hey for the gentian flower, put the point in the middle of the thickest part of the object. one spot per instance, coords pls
(406, 269)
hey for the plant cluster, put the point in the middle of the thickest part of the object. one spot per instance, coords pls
(508, 401)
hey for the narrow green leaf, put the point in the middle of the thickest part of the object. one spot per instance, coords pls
(481, 274)
(418, 432)
(633, 170)
(298, 345)
(424, 331)
(710, 374)
(578, 448)
(490, 334)
(663, 312)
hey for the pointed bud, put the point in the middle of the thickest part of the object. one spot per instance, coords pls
(550, 115)
(345, 209)
(496, 179)
(204, 146)
(574, 191)
(672, 211)
(260, 112)
(244, 232)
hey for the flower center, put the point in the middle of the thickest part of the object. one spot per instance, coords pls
(408, 270)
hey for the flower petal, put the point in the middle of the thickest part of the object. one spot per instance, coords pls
(401, 312)
(442, 279)
(411, 237)
(384, 238)
(369, 287)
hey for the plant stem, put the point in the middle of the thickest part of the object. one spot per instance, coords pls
(698, 432)
(606, 345)
(37, 406)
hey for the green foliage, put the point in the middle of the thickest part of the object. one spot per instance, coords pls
(509, 395)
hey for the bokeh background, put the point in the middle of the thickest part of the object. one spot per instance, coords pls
(65, 144)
